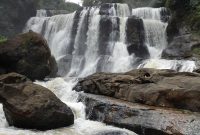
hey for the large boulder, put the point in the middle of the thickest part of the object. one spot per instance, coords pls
(27, 54)
(163, 88)
(182, 47)
(136, 37)
(141, 119)
(27, 105)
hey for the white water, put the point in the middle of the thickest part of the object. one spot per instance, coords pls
(123, 10)
(91, 55)
(41, 13)
(63, 90)
(124, 62)
(156, 41)
(155, 30)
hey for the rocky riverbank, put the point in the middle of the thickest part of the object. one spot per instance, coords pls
(151, 101)
(144, 120)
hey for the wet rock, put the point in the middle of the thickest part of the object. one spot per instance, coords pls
(27, 54)
(163, 88)
(108, 33)
(56, 12)
(112, 133)
(144, 120)
(136, 37)
(30, 106)
(181, 47)
(105, 9)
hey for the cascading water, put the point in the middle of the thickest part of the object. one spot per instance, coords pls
(155, 29)
(82, 47)
(156, 41)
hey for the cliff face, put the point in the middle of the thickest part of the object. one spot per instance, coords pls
(14, 14)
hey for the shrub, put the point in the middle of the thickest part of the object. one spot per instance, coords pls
(2, 39)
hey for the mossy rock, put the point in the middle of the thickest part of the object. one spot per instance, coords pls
(196, 50)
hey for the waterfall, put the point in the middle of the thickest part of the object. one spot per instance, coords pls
(148, 13)
(85, 42)
(155, 29)
(79, 47)
(122, 10)
(156, 40)
(124, 62)
(91, 55)
(41, 13)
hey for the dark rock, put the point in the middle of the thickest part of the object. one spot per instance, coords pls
(27, 54)
(163, 88)
(136, 37)
(105, 9)
(27, 105)
(14, 15)
(143, 120)
(108, 33)
(197, 70)
(70, 49)
(56, 12)
(53, 67)
(181, 47)
(111, 133)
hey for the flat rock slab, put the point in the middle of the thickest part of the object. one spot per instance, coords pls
(162, 88)
(141, 119)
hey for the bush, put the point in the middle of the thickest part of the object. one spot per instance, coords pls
(2, 39)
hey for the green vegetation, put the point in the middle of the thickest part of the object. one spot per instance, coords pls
(194, 19)
(2, 39)
(196, 51)
(185, 13)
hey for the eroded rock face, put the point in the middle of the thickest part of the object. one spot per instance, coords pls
(136, 37)
(144, 120)
(27, 105)
(27, 54)
(181, 47)
(164, 88)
